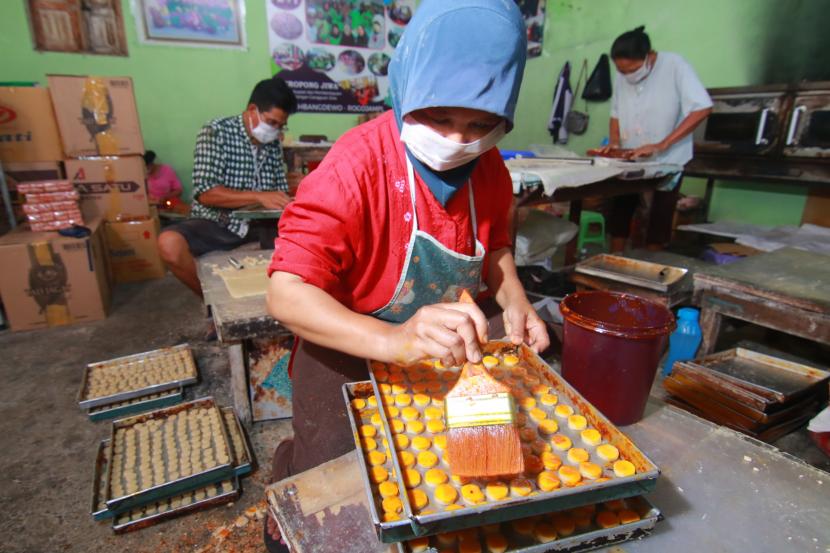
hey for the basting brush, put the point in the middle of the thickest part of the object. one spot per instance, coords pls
(482, 438)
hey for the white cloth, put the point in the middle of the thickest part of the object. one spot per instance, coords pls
(651, 109)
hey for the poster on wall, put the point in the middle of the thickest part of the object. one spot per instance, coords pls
(533, 12)
(211, 23)
(335, 54)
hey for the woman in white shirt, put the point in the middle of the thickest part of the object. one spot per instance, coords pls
(658, 101)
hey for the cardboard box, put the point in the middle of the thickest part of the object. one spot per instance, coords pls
(132, 250)
(114, 188)
(97, 116)
(50, 280)
(28, 131)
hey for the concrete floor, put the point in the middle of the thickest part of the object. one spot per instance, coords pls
(49, 444)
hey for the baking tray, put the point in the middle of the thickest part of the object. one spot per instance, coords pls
(137, 405)
(86, 402)
(98, 505)
(642, 482)
(588, 539)
(645, 274)
(771, 378)
(214, 474)
(241, 455)
(197, 500)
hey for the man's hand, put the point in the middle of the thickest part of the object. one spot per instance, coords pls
(273, 200)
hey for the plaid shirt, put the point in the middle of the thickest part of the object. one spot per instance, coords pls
(224, 156)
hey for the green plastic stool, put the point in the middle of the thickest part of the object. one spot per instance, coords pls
(586, 219)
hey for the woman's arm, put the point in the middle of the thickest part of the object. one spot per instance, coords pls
(687, 126)
(450, 332)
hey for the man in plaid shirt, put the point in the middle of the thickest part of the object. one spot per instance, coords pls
(237, 162)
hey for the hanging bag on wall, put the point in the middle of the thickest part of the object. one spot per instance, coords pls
(598, 87)
(577, 121)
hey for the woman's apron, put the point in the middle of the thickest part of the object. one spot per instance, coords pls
(431, 274)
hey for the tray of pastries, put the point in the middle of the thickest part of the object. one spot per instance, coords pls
(573, 455)
(132, 376)
(243, 459)
(136, 405)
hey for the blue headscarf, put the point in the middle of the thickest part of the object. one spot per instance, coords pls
(459, 53)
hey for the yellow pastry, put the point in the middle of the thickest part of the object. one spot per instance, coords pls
(385, 389)
(392, 504)
(564, 524)
(368, 444)
(446, 494)
(520, 487)
(411, 478)
(533, 465)
(420, 443)
(527, 402)
(615, 505)
(417, 499)
(403, 400)
(489, 361)
(510, 360)
(528, 434)
(398, 389)
(415, 427)
(401, 441)
(578, 455)
(375, 419)
(359, 403)
(540, 389)
(440, 442)
(392, 411)
(388, 489)
(523, 526)
(436, 426)
(421, 399)
(376, 458)
(537, 414)
(396, 425)
(418, 545)
(560, 442)
(419, 388)
(391, 517)
(548, 481)
(460, 479)
(548, 426)
(378, 474)
(410, 413)
(497, 491)
(550, 460)
(396, 377)
(431, 413)
(368, 431)
(434, 477)
(406, 459)
(608, 453)
(388, 399)
(544, 532)
(624, 468)
(472, 494)
(607, 519)
(427, 459)
(495, 543)
(549, 399)
(592, 471)
(590, 436)
(577, 422)
(563, 411)
(569, 475)
(372, 400)
(628, 516)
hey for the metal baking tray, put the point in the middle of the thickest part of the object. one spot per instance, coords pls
(137, 405)
(743, 373)
(99, 482)
(645, 274)
(642, 482)
(243, 460)
(214, 474)
(164, 510)
(586, 540)
(87, 402)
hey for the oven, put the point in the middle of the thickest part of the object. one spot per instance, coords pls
(808, 127)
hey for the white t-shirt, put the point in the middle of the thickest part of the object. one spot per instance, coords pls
(651, 109)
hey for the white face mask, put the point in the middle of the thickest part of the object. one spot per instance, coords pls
(441, 153)
(640, 74)
(264, 132)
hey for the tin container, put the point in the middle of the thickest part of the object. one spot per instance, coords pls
(643, 481)
(136, 363)
(120, 503)
(137, 405)
(644, 274)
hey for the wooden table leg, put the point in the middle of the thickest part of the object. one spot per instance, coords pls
(239, 383)
(710, 322)
(574, 216)
(707, 198)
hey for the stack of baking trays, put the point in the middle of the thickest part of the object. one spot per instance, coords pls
(137, 383)
(583, 476)
(758, 394)
(169, 462)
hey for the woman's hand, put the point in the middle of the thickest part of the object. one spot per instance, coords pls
(523, 325)
(451, 332)
(647, 151)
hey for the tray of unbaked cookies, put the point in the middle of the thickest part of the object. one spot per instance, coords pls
(136, 405)
(573, 455)
(142, 374)
(579, 529)
(243, 459)
(166, 452)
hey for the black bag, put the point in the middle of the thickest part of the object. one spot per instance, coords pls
(576, 122)
(598, 88)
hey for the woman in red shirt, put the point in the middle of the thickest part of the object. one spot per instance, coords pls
(403, 213)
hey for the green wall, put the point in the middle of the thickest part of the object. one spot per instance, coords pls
(729, 43)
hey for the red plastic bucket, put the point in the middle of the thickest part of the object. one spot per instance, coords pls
(612, 344)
